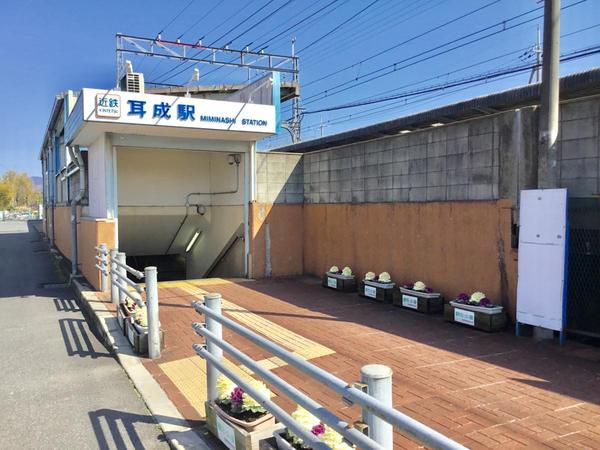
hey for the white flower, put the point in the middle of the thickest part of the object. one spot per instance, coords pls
(224, 387)
(129, 303)
(305, 419)
(334, 269)
(419, 286)
(140, 316)
(476, 297)
(249, 404)
(385, 277)
(347, 271)
(369, 276)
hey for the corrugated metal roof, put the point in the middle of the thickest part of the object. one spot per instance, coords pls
(576, 85)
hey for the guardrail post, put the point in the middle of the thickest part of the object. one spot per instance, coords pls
(213, 302)
(114, 290)
(150, 275)
(121, 258)
(378, 379)
(104, 275)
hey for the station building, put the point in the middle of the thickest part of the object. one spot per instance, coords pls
(167, 179)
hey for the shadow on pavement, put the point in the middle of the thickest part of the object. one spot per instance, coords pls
(116, 429)
(77, 342)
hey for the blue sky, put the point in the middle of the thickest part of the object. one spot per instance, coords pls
(52, 46)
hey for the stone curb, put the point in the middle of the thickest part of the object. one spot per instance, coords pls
(176, 429)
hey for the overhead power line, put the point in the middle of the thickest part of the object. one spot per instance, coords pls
(338, 26)
(176, 17)
(468, 80)
(394, 67)
(393, 47)
(202, 17)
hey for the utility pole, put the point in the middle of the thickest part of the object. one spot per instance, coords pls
(295, 122)
(548, 126)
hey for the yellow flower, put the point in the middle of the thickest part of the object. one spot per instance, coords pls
(477, 296)
(224, 387)
(334, 269)
(141, 316)
(369, 276)
(385, 277)
(347, 271)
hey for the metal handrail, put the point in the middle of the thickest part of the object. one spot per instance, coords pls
(138, 300)
(101, 250)
(133, 284)
(120, 286)
(342, 427)
(405, 423)
(136, 273)
(102, 270)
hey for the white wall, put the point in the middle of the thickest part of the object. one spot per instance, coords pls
(153, 185)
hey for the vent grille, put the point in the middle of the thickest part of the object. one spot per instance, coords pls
(133, 82)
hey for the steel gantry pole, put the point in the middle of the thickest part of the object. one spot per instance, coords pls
(548, 127)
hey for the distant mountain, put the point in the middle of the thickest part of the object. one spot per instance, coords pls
(37, 181)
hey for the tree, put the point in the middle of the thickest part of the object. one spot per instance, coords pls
(20, 190)
(5, 196)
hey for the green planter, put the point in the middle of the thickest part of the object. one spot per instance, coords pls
(339, 282)
(486, 319)
(424, 302)
(381, 292)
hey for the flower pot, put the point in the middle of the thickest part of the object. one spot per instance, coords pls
(339, 282)
(282, 443)
(236, 435)
(382, 292)
(123, 316)
(482, 318)
(138, 337)
(424, 302)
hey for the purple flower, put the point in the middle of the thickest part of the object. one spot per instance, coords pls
(462, 297)
(408, 285)
(428, 289)
(237, 395)
(318, 429)
(485, 302)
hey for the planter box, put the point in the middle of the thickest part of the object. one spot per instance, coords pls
(235, 437)
(138, 337)
(282, 443)
(382, 292)
(339, 282)
(491, 320)
(123, 316)
(425, 302)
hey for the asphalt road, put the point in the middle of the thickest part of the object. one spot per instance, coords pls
(59, 386)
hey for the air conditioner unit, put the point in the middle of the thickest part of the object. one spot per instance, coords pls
(132, 82)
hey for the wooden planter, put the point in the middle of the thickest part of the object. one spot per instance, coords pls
(236, 437)
(425, 302)
(123, 316)
(382, 292)
(486, 319)
(339, 282)
(138, 337)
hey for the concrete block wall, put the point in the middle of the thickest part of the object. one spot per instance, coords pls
(486, 158)
(454, 162)
(579, 147)
(279, 178)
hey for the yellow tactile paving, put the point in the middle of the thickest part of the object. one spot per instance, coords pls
(189, 374)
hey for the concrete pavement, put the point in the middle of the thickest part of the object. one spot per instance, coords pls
(59, 386)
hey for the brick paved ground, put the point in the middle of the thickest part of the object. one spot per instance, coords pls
(484, 390)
